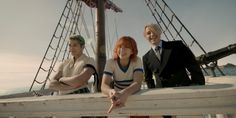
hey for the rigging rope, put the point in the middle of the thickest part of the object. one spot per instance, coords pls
(161, 17)
(54, 60)
(163, 13)
(56, 51)
(42, 62)
(72, 21)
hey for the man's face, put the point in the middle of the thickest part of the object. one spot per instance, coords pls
(152, 36)
(75, 48)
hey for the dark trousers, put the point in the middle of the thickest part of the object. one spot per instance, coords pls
(83, 90)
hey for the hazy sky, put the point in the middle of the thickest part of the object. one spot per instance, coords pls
(26, 27)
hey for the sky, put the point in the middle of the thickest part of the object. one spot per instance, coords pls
(26, 27)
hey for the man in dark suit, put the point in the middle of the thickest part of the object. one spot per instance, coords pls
(171, 63)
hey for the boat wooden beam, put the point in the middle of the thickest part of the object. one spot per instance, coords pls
(101, 41)
(218, 97)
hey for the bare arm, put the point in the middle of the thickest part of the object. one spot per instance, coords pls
(118, 99)
(80, 79)
(57, 76)
(105, 87)
(56, 85)
(110, 92)
(135, 86)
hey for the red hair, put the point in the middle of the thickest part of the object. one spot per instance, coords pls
(129, 42)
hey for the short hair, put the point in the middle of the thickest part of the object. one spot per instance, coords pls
(78, 38)
(154, 27)
(128, 42)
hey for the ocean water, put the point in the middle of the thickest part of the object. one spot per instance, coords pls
(228, 71)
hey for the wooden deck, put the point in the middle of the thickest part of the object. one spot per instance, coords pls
(218, 97)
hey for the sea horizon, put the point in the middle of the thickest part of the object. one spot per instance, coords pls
(228, 71)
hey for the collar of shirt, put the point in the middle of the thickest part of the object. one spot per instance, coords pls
(160, 45)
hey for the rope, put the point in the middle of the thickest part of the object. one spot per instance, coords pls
(147, 3)
(50, 43)
(185, 28)
(162, 19)
(71, 22)
(58, 45)
(108, 36)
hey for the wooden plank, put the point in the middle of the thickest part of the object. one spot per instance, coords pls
(28, 94)
(195, 100)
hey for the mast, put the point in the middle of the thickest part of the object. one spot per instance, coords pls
(101, 44)
(67, 25)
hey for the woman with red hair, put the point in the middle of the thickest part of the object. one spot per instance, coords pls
(124, 72)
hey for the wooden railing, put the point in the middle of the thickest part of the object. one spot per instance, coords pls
(218, 97)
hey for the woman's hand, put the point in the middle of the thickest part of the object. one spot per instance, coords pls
(123, 96)
(113, 95)
(114, 106)
(118, 99)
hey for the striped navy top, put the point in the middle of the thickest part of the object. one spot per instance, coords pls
(122, 77)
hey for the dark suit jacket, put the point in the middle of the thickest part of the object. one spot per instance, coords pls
(171, 71)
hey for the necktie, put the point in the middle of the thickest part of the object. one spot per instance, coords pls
(158, 53)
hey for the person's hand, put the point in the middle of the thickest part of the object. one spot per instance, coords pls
(122, 97)
(115, 105)
(62, 79)
(113, 95)
(53, 81)
(53, 84)
(118, 99)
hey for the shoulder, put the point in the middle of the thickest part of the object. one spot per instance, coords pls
(137, 65)
(110, 66)
(138, 59)
(88, 59)
(89, 62)
(173, 44)
(176, 42)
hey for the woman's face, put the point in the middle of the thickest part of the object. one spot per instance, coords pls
(152, 36)
(75, 48)
(124, 52)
